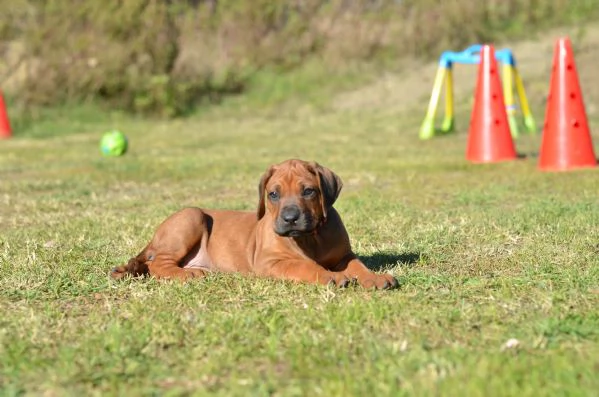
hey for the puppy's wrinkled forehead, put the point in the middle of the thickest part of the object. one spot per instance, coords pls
(292, 175)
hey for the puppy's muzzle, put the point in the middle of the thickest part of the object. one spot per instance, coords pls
(292, 222)
(290, 214)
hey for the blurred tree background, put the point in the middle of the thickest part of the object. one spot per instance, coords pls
(166, 57)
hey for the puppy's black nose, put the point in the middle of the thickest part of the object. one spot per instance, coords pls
(290, 214)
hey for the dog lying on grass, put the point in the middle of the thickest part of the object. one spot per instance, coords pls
(295, 235)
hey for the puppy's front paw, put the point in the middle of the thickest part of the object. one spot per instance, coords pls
(337, 279)
(379, 281)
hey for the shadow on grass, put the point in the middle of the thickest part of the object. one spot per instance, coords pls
(383, 260)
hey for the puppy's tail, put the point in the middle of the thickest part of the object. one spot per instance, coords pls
(137, 266)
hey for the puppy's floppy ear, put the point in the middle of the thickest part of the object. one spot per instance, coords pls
(330, 186)
(261, 191)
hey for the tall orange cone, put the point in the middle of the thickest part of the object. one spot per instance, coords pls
(566, 142)
(489, 138)
(4, 124)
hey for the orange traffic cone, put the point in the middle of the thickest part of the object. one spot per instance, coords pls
(4, 124)
(489, 138)
(566, 142)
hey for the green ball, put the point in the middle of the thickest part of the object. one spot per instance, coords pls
(114, 143)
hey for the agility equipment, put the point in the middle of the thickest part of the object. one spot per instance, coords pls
(566, 141)
(471, 55)
(4, 123)
(489, 137)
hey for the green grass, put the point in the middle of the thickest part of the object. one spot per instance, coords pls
(484, 253)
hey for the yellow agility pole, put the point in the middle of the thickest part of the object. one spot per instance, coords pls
(508, 97)
(448, 121)
(427, 130)
(529, 121)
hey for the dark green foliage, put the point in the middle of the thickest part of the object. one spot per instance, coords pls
(165, 57)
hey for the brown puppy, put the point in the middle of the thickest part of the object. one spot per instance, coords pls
(296, 235)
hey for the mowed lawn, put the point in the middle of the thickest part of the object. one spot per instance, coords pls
(498, 263)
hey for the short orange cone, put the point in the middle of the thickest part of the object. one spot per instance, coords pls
(489, 138)
(566, 142)
(4, 123)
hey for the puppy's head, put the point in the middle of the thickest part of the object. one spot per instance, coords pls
(298, 195)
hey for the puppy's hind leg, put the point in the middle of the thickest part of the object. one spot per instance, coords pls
(176, 239)
(137, 266)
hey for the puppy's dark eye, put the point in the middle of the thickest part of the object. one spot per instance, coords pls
(308, 192)
(273, 196)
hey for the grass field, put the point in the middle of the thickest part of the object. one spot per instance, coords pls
(484, 254)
